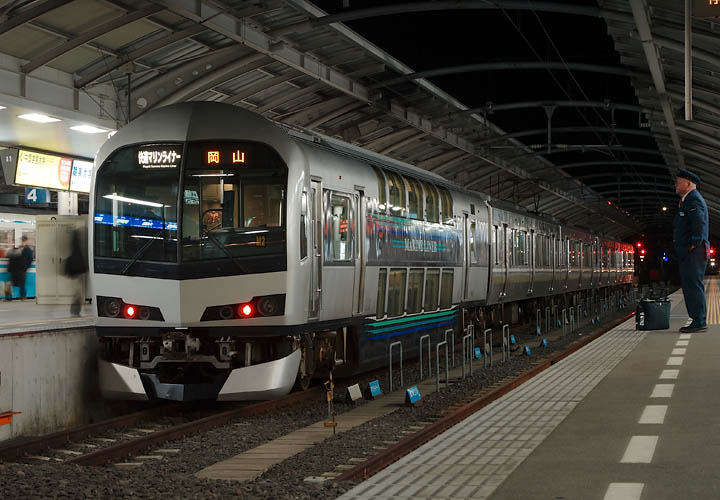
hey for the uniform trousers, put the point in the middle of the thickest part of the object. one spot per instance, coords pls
(692, 271)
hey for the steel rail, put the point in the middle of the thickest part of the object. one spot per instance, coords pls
(126, 448)
(18, 449)
(386, 457)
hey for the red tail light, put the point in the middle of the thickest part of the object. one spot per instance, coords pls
(130, 311)
(246, 310)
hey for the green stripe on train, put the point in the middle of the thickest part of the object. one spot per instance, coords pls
(412, 318)
(407, 325)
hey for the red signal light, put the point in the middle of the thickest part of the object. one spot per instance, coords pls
(642, 251)
(130, 311)
(246, 310)
(712, 251)
(639, 244)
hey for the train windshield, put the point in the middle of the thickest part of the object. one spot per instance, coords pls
(135, 203)
(233, 203)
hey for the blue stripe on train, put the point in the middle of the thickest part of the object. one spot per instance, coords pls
(29, 282)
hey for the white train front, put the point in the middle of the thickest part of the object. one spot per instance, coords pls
(233, 259)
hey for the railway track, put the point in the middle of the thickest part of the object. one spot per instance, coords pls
(82, 446)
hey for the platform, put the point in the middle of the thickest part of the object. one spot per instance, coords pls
(633, 415)
(18, 316)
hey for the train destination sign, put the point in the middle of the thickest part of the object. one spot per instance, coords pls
(707, 8)
(158, 158)
(217, 157)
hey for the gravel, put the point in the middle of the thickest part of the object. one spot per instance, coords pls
(172, 476)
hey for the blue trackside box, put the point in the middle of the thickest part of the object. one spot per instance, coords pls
(478, 353)
(412, 396)
(527, 350)
(375, 390)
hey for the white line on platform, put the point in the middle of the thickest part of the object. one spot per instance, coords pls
(662, 391)
(624, 491)
(675, 361)
(679, 351)
(685, 336)
(672, 374)
(682, 342)
(653, 414)
(640, 450)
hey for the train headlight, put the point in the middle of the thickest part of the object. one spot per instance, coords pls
(115, 307)
(112, 308)
(268, 306)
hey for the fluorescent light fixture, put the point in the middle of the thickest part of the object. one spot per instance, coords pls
(213, 175)
(37, 117)
(133, 200)
(87, 129)
(3, 107)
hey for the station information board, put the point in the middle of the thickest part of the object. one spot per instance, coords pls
(52, 172)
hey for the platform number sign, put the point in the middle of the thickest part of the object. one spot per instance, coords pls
(36, 195)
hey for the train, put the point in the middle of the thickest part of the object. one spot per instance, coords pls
(13, 226)
(234, 258)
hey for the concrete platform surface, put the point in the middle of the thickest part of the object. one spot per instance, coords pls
(18, 316)
(631, 416)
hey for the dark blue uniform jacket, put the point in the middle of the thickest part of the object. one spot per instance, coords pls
(691, 223)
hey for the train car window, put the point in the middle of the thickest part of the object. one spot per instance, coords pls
(415, 290)
(7, 241)
(539, 250)
(303, 226)
(509, 246)
(396, 188)
(587, 253)
(136, 203)
(520, 257)
(382, 191)
(415, 203)
(496, 246)
(382, 285)
(551, 248)
(471, 241)
(483, 242)
(432, 288)
(573, 254)
(446, 288)
(447, 206)
(396, 292)
(340, 228)
(432, 208)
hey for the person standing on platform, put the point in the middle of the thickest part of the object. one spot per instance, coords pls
(16, 268)
(76, 267)
(690, 238)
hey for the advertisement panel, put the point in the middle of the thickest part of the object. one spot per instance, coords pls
(43, 170)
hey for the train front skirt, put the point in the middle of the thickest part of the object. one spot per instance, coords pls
(262, 381)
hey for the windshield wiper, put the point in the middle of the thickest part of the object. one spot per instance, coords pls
(222, 247)
(142, 250)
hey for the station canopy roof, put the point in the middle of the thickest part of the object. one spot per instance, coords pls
(571, 109)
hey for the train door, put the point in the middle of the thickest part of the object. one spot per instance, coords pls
(469, 241)
(339, 268)
(506, 250)
(532, 244)
(359, 281)
(316, 212)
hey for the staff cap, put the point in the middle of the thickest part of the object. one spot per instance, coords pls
(686, 174)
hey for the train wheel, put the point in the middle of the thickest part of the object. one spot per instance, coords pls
(306, 370)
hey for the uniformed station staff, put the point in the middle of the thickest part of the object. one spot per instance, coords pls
(692, 247)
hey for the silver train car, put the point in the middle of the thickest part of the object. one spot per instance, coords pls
(234, 259)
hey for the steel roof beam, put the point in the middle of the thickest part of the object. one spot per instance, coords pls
(642, 21)
(26, 15)
(608, 106)
(89, 35)
(589, 148)
(505, 66)
(397, 145)
(562, 130)
(146, 49)
(611, 163)
(388, 10)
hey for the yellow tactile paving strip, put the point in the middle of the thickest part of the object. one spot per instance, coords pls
(712, 295)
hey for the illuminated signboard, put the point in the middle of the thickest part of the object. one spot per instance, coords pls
(707, 8)
(43, 170)
(158, 157)
(224, 157)
(81, 175)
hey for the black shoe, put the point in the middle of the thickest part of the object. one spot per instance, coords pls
(693, 329)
